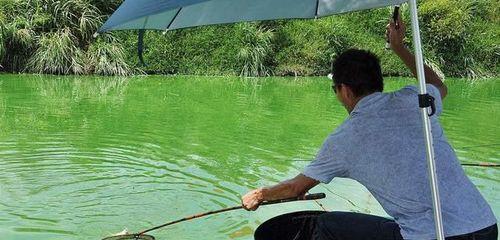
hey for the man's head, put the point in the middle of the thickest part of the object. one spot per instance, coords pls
(356, 73)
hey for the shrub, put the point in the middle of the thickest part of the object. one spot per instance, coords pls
(210, 50)
(57, 53)
(80, 16)
(313, 44)
(455, 30)
(255, 50)
(19, 44)
(107, 58)
(444, 21)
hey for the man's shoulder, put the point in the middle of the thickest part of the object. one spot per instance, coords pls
(413, 91)
(339, 131)
(341, 135)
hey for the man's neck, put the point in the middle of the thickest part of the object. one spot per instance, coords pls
(354, 102)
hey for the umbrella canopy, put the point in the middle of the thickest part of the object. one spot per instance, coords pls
(175, 14)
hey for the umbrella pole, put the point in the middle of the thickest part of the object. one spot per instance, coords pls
(426, 121)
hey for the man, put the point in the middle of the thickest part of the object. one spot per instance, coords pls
(381, 146)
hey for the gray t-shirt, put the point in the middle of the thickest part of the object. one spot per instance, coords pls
(381, 145)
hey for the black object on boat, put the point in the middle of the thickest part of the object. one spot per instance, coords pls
(290, 226)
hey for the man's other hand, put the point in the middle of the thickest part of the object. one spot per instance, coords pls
(252, 199)
(395, 34)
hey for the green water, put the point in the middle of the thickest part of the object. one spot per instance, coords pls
(83, 157)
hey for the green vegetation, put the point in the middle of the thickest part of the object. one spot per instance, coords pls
(55, 37)
(461, 39)
(463, 35)
(57, 54)
(255, 50)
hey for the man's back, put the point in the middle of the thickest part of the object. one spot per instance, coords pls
(381, 146)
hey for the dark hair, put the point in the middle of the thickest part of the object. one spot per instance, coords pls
(360, 70)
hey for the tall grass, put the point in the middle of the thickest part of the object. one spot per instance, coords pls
(79, 15)
(19, 43)
(255, 51)
(55, 37)
(106, 58)
(307, 47)
(57, 54)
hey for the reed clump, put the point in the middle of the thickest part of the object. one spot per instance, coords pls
(55, 37)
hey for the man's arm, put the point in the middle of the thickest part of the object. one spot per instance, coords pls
(396, 37)
(294, 187)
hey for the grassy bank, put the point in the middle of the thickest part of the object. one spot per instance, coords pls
(46, 36)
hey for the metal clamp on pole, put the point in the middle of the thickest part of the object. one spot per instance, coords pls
(425, 101)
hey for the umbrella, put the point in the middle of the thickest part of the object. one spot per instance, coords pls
(176, 14)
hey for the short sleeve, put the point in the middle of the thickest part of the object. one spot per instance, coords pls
(434, 92)
(329, 161)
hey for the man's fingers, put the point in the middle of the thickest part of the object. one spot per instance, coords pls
(250, 205)
(254, 207)
(392, 25)
(402, 26)
(252, 200)
(245, 206)
(398, 20)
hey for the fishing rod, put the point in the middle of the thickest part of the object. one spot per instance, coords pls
(466, 164)
(143, 236)
(483, 164)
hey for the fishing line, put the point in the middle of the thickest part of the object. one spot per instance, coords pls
(340, 196)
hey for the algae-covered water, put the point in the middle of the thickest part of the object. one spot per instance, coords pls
(83, 157)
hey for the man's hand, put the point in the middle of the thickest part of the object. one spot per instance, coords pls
(252, 199)
(294, 187)
(395, 34)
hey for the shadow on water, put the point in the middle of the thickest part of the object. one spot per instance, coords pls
(87, 156)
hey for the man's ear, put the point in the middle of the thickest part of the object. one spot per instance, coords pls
(346, 92)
